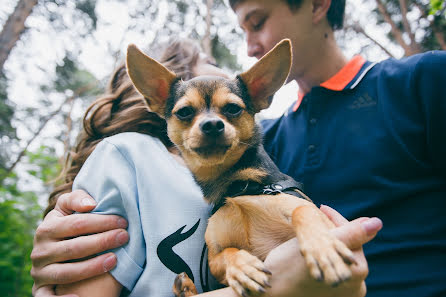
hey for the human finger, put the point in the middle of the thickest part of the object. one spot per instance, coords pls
(358, 232)
(333, 215)
(64, 273)
(77, 200)
(79, 224)
(78, 247)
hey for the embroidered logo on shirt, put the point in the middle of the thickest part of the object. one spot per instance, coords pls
(362, 102)
(168, 257)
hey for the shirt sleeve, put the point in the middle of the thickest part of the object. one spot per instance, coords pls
(109, 177)
(429, 80)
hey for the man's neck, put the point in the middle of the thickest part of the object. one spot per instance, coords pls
(329, 61)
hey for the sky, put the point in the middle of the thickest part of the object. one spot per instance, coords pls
(96, 59)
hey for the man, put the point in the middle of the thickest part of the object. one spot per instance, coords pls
(364, 138)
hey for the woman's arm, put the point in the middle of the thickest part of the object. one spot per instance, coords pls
(102, 285)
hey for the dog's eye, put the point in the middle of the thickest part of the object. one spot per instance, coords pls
(232, 110)
(185, 113)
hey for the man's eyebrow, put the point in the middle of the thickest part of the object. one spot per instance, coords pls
(249, 14)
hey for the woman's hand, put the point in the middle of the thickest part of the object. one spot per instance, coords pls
(290, 274)
(64, 236)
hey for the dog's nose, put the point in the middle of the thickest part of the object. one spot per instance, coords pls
(212, 127)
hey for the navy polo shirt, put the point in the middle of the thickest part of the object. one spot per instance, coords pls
(371, 141)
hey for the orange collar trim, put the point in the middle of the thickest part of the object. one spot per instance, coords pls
(345, 75)
(340, 80)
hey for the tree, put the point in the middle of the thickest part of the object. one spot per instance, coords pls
(415, 26)
(19, 214)
(13, 28)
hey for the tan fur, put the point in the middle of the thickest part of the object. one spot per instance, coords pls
(191, 98)
(223, 96)
(253, 174)
(244, 230)
(150, 78)
(264, 79)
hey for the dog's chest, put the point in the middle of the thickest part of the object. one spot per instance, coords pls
(256, 223)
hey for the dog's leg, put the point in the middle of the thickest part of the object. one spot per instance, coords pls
(239, 269)
(183, 286)
(229, 261)
(326, 256)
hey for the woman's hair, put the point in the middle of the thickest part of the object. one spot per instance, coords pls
(122, 109)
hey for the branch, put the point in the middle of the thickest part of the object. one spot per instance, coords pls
(77, 93)
(13, 28)
(358, 29)
(413, 43)
(207, 36)
(439, 35)
(395, 31)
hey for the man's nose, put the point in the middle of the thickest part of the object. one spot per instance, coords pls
(254, 48)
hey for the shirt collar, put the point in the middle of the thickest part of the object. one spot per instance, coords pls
(346, 78)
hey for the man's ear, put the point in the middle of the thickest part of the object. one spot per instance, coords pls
(268, 74)
(150, 78)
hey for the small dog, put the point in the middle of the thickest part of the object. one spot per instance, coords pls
(211, 121)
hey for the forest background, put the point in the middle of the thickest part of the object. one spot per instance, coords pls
(56, 55)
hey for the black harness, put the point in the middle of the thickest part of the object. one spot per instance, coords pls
(240, 188)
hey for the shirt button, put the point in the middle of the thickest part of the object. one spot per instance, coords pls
(313, 121)
(311, 148)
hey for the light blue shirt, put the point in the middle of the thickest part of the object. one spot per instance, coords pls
(134, 176)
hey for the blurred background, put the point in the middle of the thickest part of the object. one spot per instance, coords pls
(56, 55)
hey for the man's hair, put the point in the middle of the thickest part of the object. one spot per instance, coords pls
(335, 14)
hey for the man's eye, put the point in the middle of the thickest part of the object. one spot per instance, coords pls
(185, 113)
(256, 26)
(232, 110)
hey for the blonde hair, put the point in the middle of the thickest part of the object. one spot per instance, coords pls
(122, 109)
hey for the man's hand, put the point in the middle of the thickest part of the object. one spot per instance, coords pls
(290, 274)
(64, 236)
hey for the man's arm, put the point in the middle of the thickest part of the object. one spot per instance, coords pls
(290, 277)
(51, 246)
(289, 270)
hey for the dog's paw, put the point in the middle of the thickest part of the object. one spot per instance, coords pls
(183, 286)
(328, 258)
(247, 274)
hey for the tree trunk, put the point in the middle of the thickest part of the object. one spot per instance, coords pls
(207, 46)
(13, 28)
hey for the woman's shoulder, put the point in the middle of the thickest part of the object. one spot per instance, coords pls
(129, 139)
(134, 145)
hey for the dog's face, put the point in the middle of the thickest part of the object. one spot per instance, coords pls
(209, 118)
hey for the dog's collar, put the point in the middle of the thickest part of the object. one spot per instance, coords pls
(243, 187)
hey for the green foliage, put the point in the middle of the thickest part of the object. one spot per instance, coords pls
(223, 56)
(7, 131)
(435, 9)
(436, 6)
(70, 77)
(19, 215)
(45, 164)
(88, 7)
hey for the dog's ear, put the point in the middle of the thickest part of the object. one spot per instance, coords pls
(150, 78)
(268, 74)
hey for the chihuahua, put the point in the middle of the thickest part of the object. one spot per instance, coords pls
(211, 121)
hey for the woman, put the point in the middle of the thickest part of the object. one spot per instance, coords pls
(141, 177)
